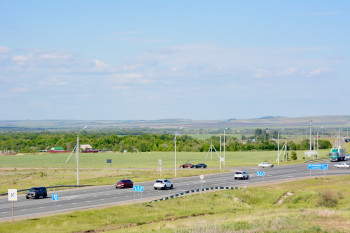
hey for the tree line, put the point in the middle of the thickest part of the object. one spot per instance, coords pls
(28, 142)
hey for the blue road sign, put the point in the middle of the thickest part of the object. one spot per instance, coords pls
(317, 166)
(258, 173)
(138, 188)
(55, 197)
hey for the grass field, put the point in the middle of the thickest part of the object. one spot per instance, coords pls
(142, 160)
(313, 205)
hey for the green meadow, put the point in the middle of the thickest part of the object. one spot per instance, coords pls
(310, 205)
(143, 159)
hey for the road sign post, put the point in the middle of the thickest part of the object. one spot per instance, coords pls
(260, 173)
(138, 189)
(12, 196)
(202, 178)
(55, 198)
(323, 167)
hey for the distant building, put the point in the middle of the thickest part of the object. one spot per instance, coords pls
(85, 147)
(57, 149)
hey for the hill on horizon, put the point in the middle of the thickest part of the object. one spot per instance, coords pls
(262, 122)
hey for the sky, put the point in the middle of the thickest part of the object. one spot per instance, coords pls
(165, 59)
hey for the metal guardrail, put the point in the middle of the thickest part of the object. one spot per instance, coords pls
(193, 191)
(50, 187)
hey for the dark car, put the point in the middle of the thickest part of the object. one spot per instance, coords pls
(36, 192)
(200, 165)
(187, 165)
(124, 184)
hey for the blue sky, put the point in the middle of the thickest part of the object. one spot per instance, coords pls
(201, 60)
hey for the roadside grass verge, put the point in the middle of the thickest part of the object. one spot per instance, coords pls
(223, 211)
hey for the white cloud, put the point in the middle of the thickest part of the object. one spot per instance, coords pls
(99, 66)
(55, 56)
(130, 78)
(53, 82)
(19, 90)
(4, 49)
(319, 71)
(120, 87)
(288, 71)
(22, 59)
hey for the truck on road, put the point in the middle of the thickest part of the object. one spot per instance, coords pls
(337, 154)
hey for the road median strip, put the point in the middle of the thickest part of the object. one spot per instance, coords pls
(193, 191)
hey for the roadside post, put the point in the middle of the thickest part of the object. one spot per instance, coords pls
(323, 167)
(160, 167)
(55, 198)
(109, 161)
(202, 178)
(12, 196)
(138, 189)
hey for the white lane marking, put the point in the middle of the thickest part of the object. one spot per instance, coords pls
(69, 197)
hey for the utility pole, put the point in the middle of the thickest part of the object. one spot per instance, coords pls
(220, 152)
(175, 151)
(224, 147)
(77, 153)
(310, 135)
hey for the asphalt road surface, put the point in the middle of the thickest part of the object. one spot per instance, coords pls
(98, 196)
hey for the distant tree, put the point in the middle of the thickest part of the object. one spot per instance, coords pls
(294, 155)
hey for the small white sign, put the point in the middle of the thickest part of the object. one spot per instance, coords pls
(201, 177)
(12, 194)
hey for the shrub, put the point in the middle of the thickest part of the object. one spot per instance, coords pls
(294, 155)
(327, 199)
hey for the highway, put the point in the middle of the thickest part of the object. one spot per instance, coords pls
(99, 196)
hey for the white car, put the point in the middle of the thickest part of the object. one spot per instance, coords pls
(342, 165)
(240, 175)
(265, 164)
(163, 184)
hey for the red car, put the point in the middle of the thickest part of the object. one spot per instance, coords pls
(124, 184)
(187, 165)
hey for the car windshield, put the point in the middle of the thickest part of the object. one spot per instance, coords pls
(159, 181)
(34, 189)
(238, 173)
(121, 181)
